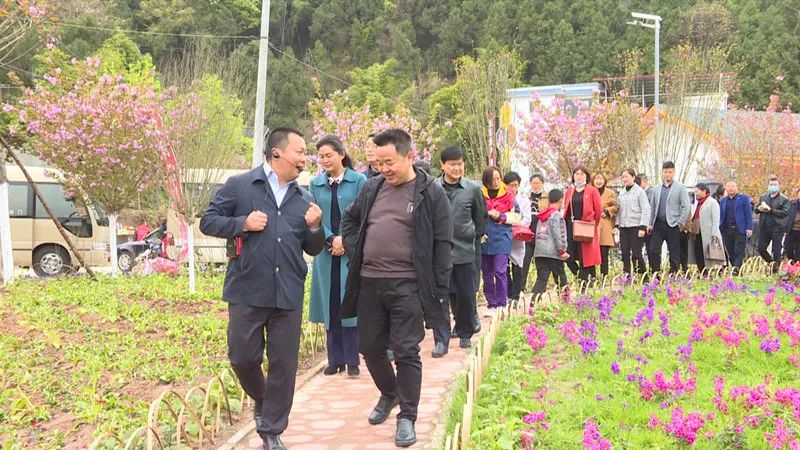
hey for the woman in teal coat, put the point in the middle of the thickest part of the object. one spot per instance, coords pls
(334, 190)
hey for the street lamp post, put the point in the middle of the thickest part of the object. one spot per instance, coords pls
(261, 85)
(654, 22)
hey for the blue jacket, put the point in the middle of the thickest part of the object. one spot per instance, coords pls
(743, 212)
(319, 307)
(271, 271)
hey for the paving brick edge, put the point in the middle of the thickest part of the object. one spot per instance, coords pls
(251, 425)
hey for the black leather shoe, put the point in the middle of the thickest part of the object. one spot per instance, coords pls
(476, 324)
(353, 371)
(273, 442)
(382, 409)
(333, 370)
(465, 343)
(257, 414)
(439, 350)
(405, 436)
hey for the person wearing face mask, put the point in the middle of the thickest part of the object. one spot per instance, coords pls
(582, 203)
(538, 201)
(334, 190)
(773, 208)
(633, 216)
(791, 250)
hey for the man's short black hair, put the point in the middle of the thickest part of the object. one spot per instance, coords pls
(511, 177)
(554, 195)
(452, 153)
(397, 137)
(668, 165)
(537, 175)
(278, 138)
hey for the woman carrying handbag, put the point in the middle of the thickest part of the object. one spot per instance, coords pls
(583, 213)
(705, 241)
(609, 205)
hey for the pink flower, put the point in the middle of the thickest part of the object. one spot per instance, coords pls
(685, 427)
(592, 439)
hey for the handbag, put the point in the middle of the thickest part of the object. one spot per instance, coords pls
(522, 233)
(582, 231)
(716, 251)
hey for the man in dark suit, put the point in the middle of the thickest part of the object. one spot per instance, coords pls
(735, 223)
(264, 285)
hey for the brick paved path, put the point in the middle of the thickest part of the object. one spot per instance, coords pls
(330, 413)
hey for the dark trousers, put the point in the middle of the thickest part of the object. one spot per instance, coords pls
(631, 246)
(792, 248)
(699, 252)
(343, 346)
(545, 267)
(246, 342)
(530, 247)
(735, 244)
(515, 282)
(604, 259)
(575, 263)
(766, 235)
(462, 300)
(684, 251)
(672, 235)
(390, 317)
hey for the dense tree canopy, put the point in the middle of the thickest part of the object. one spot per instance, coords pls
(331, 44)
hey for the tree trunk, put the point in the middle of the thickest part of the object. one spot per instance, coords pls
(112, 238)
(49, 212)
(190, 243)
(7, 257)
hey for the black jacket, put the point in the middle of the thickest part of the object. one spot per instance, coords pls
(271, 271)
(469, 218)
(794, 205)
(777, 216)
(433, 243)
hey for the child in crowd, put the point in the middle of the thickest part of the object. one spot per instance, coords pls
(551, 244)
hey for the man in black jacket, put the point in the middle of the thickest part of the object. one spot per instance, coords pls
(264, 285)
(399, 235)
(468, 210)
(773, 208)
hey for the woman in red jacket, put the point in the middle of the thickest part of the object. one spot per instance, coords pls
(582, 202)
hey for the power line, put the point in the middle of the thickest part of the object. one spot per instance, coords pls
(217, 36)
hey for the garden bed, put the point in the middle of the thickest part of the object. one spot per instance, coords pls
(708, 364)
(80, 357)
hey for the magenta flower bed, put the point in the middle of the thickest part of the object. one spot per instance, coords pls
(709, 364)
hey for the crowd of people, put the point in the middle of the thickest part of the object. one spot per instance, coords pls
(398, 250)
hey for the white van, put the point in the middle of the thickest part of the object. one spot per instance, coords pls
(35, 239)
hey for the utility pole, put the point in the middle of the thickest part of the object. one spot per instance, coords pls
(261, 87)
(654, 22)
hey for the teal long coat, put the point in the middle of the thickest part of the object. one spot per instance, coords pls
(319, 308)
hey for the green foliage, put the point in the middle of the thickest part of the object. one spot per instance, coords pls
(565, 384)
(96, 352)
(119, 54)
(378, 85)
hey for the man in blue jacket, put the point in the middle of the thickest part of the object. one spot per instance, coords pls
(735, 223)
(264, 285)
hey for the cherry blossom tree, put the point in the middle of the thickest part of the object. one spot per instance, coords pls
(558, 137)
(99, 132)
(354, 124)
(756, 144)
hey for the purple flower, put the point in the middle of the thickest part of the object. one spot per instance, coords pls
(592, 439)
(648, 333)
(615, 368)
(770, 345)
(685, 352)
(588, 345)
(664, 318)
(620, 344)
